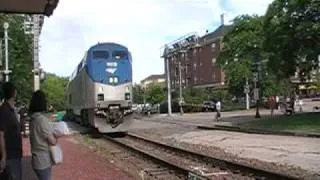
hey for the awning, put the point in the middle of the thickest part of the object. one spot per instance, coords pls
(312, 87)
(45, 7)
(301, 87)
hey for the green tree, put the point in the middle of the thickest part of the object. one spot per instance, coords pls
(20, 55)
(242, 45)
(292, 31)
(273, 86)
(154, 93)
(54, 88)
(137, 92)
(194, 95)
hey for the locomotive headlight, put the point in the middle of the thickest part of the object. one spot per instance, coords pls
(116, 80)
(110, 80)
(127, 89)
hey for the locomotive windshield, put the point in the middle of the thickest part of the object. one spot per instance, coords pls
(100, 54)
(120, 55)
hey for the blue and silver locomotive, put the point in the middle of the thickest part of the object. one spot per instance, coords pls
(99, 91)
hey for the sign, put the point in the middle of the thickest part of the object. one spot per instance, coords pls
(255, 77)
(112, 64)
(111, 70)
(246, 89)
(256, 93)
(111, 67)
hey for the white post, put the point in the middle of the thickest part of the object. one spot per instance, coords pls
(1, 55)
(168, 86)
(180, 88)
(6, 72)
(36, 53)
(247, 95)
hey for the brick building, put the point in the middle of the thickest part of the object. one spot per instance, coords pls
(197, 56)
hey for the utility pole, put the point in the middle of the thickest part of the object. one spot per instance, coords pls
(246, 91)
(36, 64)
(257, 90)
(168, 85)
(6, 71)
(180, 89)
(1, 55)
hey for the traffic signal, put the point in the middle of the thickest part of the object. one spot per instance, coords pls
(254, 67)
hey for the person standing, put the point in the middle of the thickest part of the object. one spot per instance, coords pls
(10, 133)
(41, 136)
(218, 109)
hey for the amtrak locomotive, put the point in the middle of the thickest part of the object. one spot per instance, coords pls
(99, 91)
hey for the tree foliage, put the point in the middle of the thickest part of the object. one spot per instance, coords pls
(292, 31)
(154, 93)
(242, 45)
(54, 88)
(20, 56)
(137, 92)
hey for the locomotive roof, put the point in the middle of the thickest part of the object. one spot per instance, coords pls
(110, 45)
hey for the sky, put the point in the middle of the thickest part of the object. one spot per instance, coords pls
(144, 26)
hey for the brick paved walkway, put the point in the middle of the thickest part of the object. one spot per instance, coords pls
(79, 164)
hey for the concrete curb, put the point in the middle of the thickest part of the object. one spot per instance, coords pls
(258, 131)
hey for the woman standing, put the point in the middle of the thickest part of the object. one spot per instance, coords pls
(41, 137)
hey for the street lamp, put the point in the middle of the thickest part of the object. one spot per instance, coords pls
(6, 71)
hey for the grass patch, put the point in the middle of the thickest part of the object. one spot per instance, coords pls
(307, 122)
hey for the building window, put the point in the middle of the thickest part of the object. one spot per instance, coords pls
(195, 79)
(221, 45)
(195, 66)
(214, 60)
(213, 47)
(214, 76)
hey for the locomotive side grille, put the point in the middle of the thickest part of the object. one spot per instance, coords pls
(100, 97)
(127, 96)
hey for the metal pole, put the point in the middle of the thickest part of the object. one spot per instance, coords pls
(180, 89)
(258, 99)
(6, 26)
(247, 95)
(169, 86)
(1, 55)
(36, 53)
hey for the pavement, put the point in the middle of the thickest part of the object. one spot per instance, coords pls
(296, 151)
(78, 164)
(303, 152)
(227, 118)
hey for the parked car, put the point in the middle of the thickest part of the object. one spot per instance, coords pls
(150, 109)
(208, 106)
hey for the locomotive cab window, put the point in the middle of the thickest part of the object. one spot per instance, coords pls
(100, 54)
(119, 55)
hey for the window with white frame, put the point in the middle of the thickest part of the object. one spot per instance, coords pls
(214, 60)
(213, 47)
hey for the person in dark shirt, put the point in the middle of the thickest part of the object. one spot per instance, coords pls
(10, 135)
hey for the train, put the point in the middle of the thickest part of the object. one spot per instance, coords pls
(99, 91)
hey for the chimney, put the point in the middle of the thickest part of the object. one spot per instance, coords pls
(222, 19)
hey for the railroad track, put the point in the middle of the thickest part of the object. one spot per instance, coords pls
(193, 166)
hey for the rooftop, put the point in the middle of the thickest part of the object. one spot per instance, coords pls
(45, 7)
(154, 77)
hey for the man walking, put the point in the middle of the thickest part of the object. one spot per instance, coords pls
(10, 135)
(218, 109)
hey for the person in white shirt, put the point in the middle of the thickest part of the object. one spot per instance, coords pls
(218, 109)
